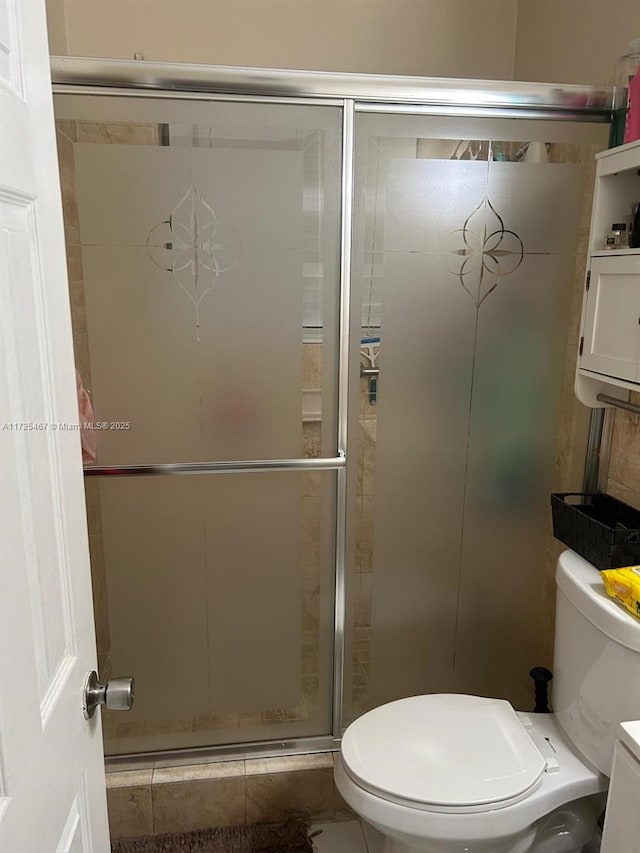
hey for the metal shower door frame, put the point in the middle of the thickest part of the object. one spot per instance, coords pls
(351, 93)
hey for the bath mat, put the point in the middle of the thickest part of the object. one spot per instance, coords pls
(250, 838)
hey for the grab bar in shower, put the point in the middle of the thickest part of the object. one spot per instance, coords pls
(253, 465)
(620, 404)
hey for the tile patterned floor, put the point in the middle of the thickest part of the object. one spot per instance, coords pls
(350, 836)
(354, 836)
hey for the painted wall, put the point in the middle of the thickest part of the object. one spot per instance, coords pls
(582, 46)
(573, 41)
(569, 41)
(456, 38)
(57, 26)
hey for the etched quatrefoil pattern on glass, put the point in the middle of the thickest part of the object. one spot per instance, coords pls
(482, 252)
(194, 247)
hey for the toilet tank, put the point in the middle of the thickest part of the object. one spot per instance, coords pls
(596, 678)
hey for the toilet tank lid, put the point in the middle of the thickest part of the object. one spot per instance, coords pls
(582, 585)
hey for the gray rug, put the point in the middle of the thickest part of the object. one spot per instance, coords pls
(251, 838)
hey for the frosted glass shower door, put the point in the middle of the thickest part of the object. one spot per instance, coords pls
(204, 244)
(464, 263)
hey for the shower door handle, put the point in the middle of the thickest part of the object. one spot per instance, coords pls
(117, 694)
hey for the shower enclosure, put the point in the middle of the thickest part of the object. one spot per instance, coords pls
(328, 326)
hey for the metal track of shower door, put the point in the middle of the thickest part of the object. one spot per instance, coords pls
(555, 101)
(237, 467)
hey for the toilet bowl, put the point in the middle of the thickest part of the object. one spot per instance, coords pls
(453, 773)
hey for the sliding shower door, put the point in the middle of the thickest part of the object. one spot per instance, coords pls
(204, 253)
(468, 246)
(204, 242)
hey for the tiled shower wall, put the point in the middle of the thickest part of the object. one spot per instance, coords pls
(624, 467)
(574, 417)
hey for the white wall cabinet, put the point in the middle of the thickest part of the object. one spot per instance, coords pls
(609, 350)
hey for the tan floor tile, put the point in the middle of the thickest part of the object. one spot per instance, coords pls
(184, 806)
(130, 811)
(279, 797)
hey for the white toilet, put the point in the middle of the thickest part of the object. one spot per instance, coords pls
(448, 773)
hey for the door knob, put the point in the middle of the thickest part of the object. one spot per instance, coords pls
(117, 694)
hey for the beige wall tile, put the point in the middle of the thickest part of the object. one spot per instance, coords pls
(311, 483)
(310, 604)
(66, 165)
(288, 763)
(99, 590)
(92, 501)
(74, 263)
(81, 355)
(364, 542)
(368, 438)
(312, 439)
(623, 493)
(130, 811)
(311, 525)
(180, 726)
(285, 715)
(199, 772)
(367, 410)
(104, 666)
(312, 366)
(67, 127)
(624, 466)
(78, 307)
(129, 778)
(278, 797)
(215, 721)
(249, 719)
(71, 233)
(311, 690)
(183, 806)
(120, 133)
(362, 602)
(309, 654)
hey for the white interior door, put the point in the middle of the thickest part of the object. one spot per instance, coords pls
(52, 797)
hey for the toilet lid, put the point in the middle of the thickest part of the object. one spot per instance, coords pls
(445, 751)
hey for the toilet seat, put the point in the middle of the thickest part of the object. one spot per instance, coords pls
(567, 779)
(444, 752)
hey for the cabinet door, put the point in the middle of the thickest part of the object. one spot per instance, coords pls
(612, 319)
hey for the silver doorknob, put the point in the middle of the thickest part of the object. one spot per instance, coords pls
(117, 694)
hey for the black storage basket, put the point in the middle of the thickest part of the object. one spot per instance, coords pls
(603, 530)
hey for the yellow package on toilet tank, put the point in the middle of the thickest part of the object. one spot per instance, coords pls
(624, 586)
